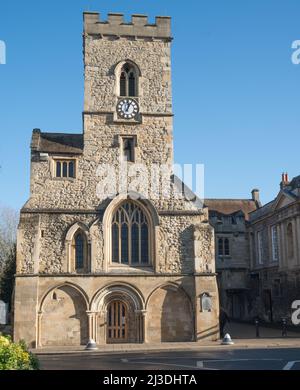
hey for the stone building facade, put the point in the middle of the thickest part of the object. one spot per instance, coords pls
(115, 263)
(275, 252)
(229, 217)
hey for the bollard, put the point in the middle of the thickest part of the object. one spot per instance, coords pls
(91, 345)
(257, 327)
(227, 340)
(284, 329)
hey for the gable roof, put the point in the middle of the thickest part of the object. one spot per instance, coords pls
(61, 143)
(231, 206)
(291, 191)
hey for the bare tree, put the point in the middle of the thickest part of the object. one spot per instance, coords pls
(8, 232)
(8, 235)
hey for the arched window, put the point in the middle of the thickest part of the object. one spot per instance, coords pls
(128, 81)
(290, 241)
(80, 252)
(130, 235)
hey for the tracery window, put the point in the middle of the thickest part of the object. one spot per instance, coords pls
(130, 235)
(128, 81)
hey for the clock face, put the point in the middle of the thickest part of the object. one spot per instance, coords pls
(127, 108)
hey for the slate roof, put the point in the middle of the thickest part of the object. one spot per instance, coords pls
(231, 206)
(60, 143)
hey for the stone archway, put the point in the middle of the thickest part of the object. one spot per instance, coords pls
(63, 319)
(117, 309)
(169, 315)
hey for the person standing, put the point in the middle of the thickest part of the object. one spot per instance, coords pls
(223, 319)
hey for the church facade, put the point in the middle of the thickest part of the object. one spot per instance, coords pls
(101, 255)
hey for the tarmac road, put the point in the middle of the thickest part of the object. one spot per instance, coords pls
(231, 359)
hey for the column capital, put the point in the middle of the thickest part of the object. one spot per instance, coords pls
(142, 312)
(90, 312)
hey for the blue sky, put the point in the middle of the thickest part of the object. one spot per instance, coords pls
(235, 90)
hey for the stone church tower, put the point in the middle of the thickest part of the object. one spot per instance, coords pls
(102, 254)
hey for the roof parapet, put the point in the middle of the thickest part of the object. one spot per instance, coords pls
(116, 25)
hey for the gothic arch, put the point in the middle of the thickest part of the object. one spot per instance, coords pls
(72, 231)
(62, 318)
(119, 68)
(120, 64)
(153, 221)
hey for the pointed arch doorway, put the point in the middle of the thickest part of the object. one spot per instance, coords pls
(117, 322)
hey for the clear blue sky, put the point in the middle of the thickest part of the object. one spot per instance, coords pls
(236, 92)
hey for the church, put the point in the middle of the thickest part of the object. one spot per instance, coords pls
(99, 256)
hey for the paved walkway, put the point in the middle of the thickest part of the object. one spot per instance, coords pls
(248, 331)
(243, 336)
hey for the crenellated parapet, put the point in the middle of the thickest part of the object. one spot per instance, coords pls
(116, 25)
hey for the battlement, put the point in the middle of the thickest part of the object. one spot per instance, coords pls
(138, 27)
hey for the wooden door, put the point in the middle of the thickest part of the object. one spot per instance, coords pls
(117, 322)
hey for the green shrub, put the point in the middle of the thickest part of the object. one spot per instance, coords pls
(15, 356)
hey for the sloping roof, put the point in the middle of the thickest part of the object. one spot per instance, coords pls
(295, 183)
(231, 206)
(61, 143)
(291, 190)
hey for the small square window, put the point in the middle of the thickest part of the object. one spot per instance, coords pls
(65, 168)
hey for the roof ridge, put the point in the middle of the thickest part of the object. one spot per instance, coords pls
(47, 133)
(231, 199)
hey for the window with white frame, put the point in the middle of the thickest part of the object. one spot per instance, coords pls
(290, 241)
(275, 248)
(223, 247)
(260, 247)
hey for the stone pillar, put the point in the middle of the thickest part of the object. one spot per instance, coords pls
(25, 310)
(91, 325)
(140, 325)
(69, 256)
(100, 325)
(140, 316)
(143, 324)
(39, 329)
(206, 321)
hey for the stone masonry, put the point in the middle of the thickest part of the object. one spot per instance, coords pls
(59, 304)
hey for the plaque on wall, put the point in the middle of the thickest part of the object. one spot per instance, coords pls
(206, 302)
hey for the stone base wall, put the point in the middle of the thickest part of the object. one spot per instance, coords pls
(68, 310)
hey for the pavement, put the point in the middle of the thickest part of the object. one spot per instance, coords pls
(243, 336)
